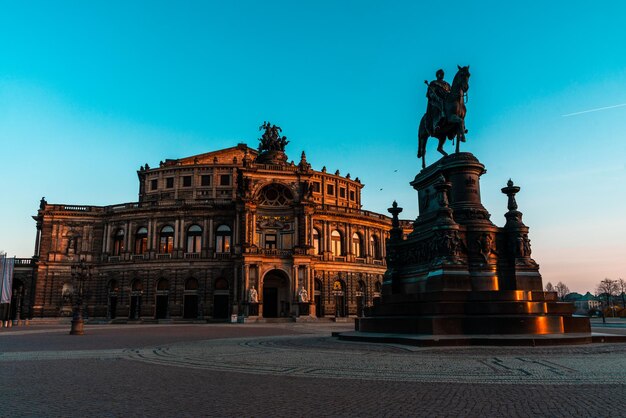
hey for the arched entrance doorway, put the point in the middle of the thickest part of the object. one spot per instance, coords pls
(221, 296)
(136, 290)
(190, 301)
(17, 300)
(339, 297)
(162, 299)
(318, 299)
(377, 291)
(276, 294)
(360, 298)
(113, 289)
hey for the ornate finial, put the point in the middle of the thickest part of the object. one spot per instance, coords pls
(511, 191)
(513, 216)
(337, 172)
(303, 165)
(348, 176)
(324, 169)
(396, 231)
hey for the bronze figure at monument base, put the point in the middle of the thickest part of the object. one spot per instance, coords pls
(459, 279)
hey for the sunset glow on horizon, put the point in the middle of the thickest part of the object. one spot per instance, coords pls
(91, 91)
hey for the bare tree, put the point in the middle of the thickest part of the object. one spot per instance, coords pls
(549, 287)
(621, 285)
(607, 288)
(561, 290)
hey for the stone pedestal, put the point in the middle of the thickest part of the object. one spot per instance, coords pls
(459, 274)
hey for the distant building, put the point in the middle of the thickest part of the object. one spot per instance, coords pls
(206, 230)
(584, 303)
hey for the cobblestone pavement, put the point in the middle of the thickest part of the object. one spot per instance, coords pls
(295, 369)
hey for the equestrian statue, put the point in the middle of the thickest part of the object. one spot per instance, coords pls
(445, 113)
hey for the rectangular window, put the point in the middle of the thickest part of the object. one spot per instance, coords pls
(225, 180)
(169, 183)
(317, 186)
(342, 192)
(154, 184)
(330, 189)
(186, 181)
(351, 194)
(270, 241)
(205, 180)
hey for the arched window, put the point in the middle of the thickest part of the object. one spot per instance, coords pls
(191, 284)
(141, 240)
(166, 240)
(316, 241)
(361, 286)
(275, 195)
(335, 243)
(163, 284)
(374, 246)
(356, 245)
(222, 239)
(113, 286)
(221, 284)
(194, 239)
(118, 242)
(137, 286)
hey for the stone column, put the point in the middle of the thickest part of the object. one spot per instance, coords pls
(182, 235)
(293, 283)
(211, 240)
(38, 239)
(176, 234)
(246, 282)
(205, 237)
(127, 248)
(107, 233)
(154, 235)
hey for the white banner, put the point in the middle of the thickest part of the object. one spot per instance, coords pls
(6, 276)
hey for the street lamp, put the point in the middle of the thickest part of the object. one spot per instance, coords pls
(80, 272)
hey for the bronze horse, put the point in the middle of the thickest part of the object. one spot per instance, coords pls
(453, 124)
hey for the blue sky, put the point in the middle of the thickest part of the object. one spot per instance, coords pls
(91, 90)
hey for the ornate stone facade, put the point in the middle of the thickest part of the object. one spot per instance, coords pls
(208, 228)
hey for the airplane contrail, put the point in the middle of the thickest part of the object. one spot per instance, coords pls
(594, 110)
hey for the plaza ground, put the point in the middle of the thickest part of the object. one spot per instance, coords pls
(296, 369)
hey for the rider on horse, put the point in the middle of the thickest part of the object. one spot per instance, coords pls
(436, 93)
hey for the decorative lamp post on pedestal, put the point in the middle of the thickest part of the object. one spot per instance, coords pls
(80, 273)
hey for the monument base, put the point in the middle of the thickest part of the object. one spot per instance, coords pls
(528, 340)
(458, 279)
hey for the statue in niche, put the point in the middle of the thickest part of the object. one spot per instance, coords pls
(456, 244)
(526, 245)
(521, 246)
(303, 295)
(485, 246)
(253, 296)
(71, 245)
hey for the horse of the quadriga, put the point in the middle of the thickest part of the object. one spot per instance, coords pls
(452, 125)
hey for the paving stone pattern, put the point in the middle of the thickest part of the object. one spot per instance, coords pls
(304, 372)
